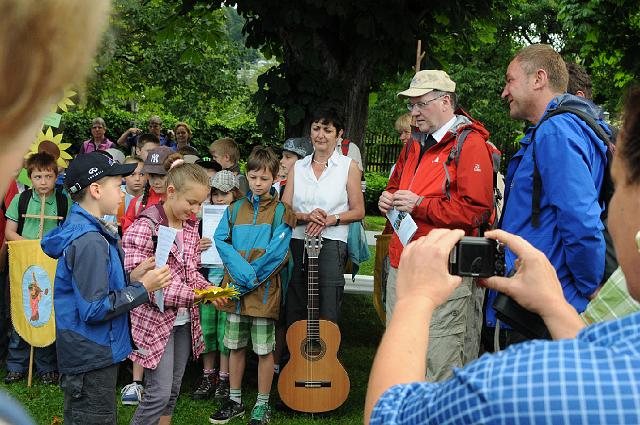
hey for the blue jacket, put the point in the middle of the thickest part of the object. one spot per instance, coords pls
(571, 160)
(92, 295)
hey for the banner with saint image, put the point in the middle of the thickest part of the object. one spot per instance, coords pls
(31, 277)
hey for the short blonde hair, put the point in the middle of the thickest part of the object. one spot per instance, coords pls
(226, 146)
(185, 125)
(45, 45)
(543, 56)
(403, 123)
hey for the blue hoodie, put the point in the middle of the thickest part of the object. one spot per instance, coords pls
(92, 295)
(571, 160)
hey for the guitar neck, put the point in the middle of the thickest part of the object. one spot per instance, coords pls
(313, 300)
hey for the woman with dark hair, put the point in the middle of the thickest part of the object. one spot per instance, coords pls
(324, 191)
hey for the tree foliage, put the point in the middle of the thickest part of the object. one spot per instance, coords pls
(333, 52)
(172, 57)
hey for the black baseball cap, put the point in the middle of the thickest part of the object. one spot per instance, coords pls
(89, 167)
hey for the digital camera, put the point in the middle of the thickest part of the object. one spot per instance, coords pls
(477, 257)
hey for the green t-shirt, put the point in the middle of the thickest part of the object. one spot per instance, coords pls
(32, 225)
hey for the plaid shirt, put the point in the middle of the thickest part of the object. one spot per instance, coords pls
(150, 327)
(611, 302)
(592, 379)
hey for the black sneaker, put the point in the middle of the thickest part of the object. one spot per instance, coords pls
(50, 378)
(260, 415)
(206, 388)
(222, 390)
(229, 410)
(13, 377)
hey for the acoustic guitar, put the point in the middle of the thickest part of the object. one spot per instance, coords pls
(313, 380)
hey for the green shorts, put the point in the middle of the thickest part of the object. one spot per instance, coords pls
(213, 324)
(263, 333)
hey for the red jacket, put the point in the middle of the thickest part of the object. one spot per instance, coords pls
(135, 208)
(471, 187)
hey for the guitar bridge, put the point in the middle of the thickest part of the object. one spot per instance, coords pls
(313, 384)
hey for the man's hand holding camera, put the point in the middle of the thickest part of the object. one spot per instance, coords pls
(535, 286)
(423, 273)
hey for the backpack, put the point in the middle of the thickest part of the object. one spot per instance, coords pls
(606, 190)
(62, 204)
(498, 178)
(345, 146)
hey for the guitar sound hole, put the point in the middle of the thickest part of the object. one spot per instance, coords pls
(313, 349)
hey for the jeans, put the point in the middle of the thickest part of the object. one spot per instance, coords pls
(162, 384)
(45, 358)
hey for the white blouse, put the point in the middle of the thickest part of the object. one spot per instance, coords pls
(328, 193)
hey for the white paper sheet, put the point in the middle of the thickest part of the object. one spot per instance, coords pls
(211, 216)
(166, 236)
(403, 225)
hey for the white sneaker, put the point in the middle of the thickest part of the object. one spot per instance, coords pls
(131, 394)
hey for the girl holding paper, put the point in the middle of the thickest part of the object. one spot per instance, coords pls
(166, 334)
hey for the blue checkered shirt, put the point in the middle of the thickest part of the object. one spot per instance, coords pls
(593, 379)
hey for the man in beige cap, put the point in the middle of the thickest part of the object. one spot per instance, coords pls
(442, 183)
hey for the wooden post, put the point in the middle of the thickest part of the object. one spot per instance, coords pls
(30, 376)
(42, 217)
(419, 55)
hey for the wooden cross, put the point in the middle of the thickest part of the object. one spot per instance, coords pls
(41, 216)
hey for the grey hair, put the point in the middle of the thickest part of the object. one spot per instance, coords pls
(452, 96)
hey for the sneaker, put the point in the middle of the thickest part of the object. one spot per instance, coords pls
(131, 394)
(13, 377)
(260, 415)
(222, 390)
(50, 378)
(206, 388)
(229, 410)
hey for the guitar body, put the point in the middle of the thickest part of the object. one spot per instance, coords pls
(313, 380)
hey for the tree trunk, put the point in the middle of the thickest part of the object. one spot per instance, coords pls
(356, 107)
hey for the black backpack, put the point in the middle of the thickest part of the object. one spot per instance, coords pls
(606, 190)
(62, 204)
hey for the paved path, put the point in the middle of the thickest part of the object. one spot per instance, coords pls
(371, 240)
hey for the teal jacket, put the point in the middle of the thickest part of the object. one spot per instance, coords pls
(253, 241)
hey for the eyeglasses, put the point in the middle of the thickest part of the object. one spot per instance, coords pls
(422, 105)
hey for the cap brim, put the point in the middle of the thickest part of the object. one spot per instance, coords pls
(414, 92)
(123, 170)
(154, 169)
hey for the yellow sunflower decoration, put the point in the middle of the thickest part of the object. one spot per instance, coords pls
(65, 101)
(51, 144)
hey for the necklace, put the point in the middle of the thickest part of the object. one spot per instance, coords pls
(326, 164)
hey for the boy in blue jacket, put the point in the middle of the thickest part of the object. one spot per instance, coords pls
(93, 294)
(253, 241)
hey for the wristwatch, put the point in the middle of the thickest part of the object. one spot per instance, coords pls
(337, 216)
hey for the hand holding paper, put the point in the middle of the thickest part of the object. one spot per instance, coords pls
(166, 236)
(403, 224)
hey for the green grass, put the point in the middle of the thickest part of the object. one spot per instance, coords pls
(359, 341)
(374, 222)
(367, 267)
